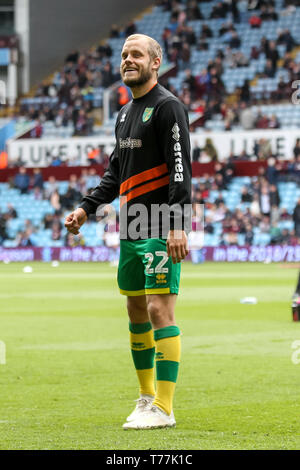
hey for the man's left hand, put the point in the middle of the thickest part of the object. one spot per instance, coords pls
(177, 245)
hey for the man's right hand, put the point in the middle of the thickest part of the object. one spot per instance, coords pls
(75, 220)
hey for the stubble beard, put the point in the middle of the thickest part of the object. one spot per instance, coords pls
(143, 78)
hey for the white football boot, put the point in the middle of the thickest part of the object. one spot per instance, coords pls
(151, 418)
(142, 403)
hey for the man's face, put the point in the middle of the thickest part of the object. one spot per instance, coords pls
(136, 64)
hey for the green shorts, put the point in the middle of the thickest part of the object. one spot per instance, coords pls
(145, 268)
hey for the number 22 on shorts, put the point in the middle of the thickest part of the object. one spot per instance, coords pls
(160, 266)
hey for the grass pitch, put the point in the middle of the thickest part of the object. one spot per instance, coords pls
(69, 382)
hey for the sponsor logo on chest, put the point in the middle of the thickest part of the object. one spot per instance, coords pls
(130, 143)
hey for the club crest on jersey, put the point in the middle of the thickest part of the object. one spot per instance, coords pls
(147, 114)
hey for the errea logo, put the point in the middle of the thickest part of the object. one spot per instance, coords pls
(123, 117)
(161, 279)
(178, 177)
(135, 345)
(159, 356)
(160, 276)
(175, 130)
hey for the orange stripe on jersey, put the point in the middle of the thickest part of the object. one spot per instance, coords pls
(146, 188)
(143, 177)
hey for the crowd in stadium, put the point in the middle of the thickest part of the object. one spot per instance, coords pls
(259, 204)
(72, 95)
(74, 85)
(205, 93)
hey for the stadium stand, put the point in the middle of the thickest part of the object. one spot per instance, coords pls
(221, 63)
(238, 210)
(234, 64)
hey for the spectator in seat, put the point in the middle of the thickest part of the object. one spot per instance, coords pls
(206, 31)
(282, 90)
(255, 21)
(274, 122)
(264, 45)
(285, 237)
(296, 218)
(296, 149)
(273, 16)
(272, 172)
(208, 226)
(285, 37)
(56, 161)
(167, 41)
(265, 150)
(130, 29)
(246, 116)
(284, 215)
(273, 54)
(48, 220)
(55, 200)
(38, 181)
(3, 234)
(235, 41)
(193, 11)
(21, 180)
(23, 238)
(264, 225)
(264, 14)
(210, 149)
(219, 199)
(248, 234)
(231, 237)
(269, 70)
(275, 234)
(92, 179)
(190, 81)
(255, 207)
(262, 122)
(245, 92)
(107, 75)
(114, 31)
(51, 186)
(56, 230)
(219, 182)
(275, 215)
(188, 35)
(246, 196)
(219, 10)
(240, 59)
(185, 56)
(254, 53)
(74, 240)
(265, 201)
(274, 195)
(11, 212)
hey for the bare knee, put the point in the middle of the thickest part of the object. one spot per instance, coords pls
(137, 309)
(160, 313)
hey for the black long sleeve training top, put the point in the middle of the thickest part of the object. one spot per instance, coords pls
(150, 164)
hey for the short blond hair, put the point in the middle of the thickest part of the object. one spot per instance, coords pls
(154, 48)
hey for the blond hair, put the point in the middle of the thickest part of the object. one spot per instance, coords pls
(154, 48)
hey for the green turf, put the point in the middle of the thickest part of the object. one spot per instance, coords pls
(69, 383)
